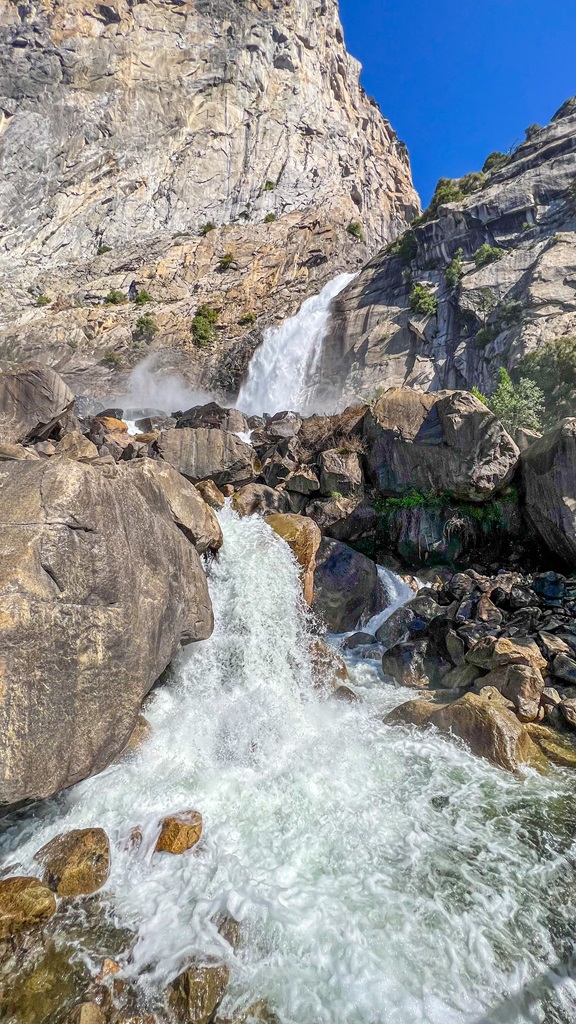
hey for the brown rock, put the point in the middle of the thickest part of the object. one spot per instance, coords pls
(405, 663)
(203, 454)
(487, 612)
(303, 537)
(191, 514)
(195, 995)
(111, 425)
(87, 1013)
(412, 712)
(557, 748)
(341, 472)
(522, 684)
(461, 676)
(568, 710)
(24, 903)
(211, 493)
(16, 453)
(179, 832)
(261, 499)
(328, 668)
(76, 863)
(553, 644)
(74, 445)
(491, 731)
(492, 652)
(33, 401)
(347, 589)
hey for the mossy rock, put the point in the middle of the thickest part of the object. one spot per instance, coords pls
(24, 904)
(77, 862)
(559, 749)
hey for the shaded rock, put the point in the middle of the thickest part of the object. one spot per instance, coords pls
(211, 493)
(77, 862)
(491, 731)
(347, 590)
(24, 904)
(461, 676)
(359, 639)
(99, 589)
(303, 537)
(33, 402)
(568, 710)
(443, 441)
(191, 514)
(194, 996)
(395, 628)
(492, 694)
(564, 667)
(16, 452)
(179, 832)
(341, 473)
(284, 424)
(521, 684)
(214, 416)
(334, 517)
(552, 644)
(345, 694)
(549, 483)
(258, 498)
(405, 662)
(557, 748)
(302, 480)
(204, 454)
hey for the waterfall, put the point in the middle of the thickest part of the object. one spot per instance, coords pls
(282, 368)
(398, 593)
(379, 874)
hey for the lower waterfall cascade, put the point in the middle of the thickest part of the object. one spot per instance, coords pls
(379, 875)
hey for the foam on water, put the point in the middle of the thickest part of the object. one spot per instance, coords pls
(381, 876)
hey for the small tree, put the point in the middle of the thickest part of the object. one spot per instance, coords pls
(423, 301)
(552, 367)
(226, 262)
(115, 298)
(269, 218)
(145, 328)
(519, 405)
(142, 297)
(455, 269)
(355, 229)
(203, 325)
(488, 254)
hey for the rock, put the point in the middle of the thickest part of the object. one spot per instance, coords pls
(74, 445)
(405, 662)
(395, 628)
(491, 731)
(346, 694)
(16, 452)
(462, 676)
(191, 514)
(492, 652)
(179, 832)
(412, 712)
(258, 498)
(24, 903)
(347, 590)
(214, 416)
(552, 644)
(211, 493)
(33, 402)
(524, 437)
(303, 537)
(328, 668)
(99, 589)
(564, 668)
(359, 639)
(549, 483)
(109, 424)
(87, 1013)
(521, 684)
(567, 708)
(341, 473)
(302, 480)
(487, 612)
(557, 748)
(492, 694)
(284, 424)
(455, 647)
(195, 995)
(77, 862)
(437, 442)
(334, 517)
(141, 732)
(203, 454)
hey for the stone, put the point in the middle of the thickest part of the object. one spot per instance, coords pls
(214, 416)
(564, 668)
(303, 538)
(552, 644)
(341, 473)
(179, 832)
(259, 499)
(203, 454)
(16, 452)
(302, 480)
(567, 708)
(405, 663)
(487, 612)
(211, 493)
(33, 402)
(522, 684)
(437, 442)
(194, 996)
(549, 483)
(360, 639)
(191, 514)
(490, 731)
(455, 647)
(347, 590)
(74, 445)
(284, 424)
(87, 1013)
(559, 749)
(328, 668)
(492, 694)
(76, 863)
(345, 694)
(24, 904)
(492, 652)
(99, 590)
(395, 628)
(109, 424)
(460, 677)
(412, 712)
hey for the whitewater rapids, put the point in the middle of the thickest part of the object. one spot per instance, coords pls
(380, 875)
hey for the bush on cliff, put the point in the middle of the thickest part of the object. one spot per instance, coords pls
(515, 405)
(552, 367)
(203, 325)
(422, 300)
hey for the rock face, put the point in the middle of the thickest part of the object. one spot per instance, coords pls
(203, 454)
(303, 537)
(446, 441)
(549, 482)
(99, 590)
(261, 115)
(488, 315)
(32, 403)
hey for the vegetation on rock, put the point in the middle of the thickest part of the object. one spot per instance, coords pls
(43, 300)
(115, 297)
(226, 261)
(487, 254)
(422, 300)
(552, 368)
(355, 229)
(142, 297)
(515, 405)
(455, 269)
(205, 229)
(145, 328)
(204, 324)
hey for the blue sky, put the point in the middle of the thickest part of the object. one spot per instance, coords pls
(460, 79)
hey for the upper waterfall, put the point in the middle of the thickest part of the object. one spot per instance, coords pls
(282, 368)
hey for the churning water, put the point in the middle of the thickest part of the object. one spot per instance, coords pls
(380, 875)
(282, 368)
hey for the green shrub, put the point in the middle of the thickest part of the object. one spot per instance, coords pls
(103, 249)
(43, 300)
(355, 229)
(495, 161)
(519, 405)
(247, 319)
(472, 182)
(552, 367)
(203, 325)
(423, 301)
(478, 394)
(406, 247)
(145, 328)
(269, 218)
(112, 358)
(115, 298)
(142, 297)
(485, 335)
(270, 186)
(226, 261)
(487, 254)
(205, 229)
(455, 269)
(527, 226)
(510, 313)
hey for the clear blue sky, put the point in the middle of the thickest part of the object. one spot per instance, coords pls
(460, 79)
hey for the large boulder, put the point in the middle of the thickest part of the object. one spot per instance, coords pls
(99, 589)
(201, 453)
(347, 591)
(303, 537)
(33, 401)
(188, 509)
(258, 498)
(443, 441)
(77, 862)
(549, 485)
(340, 472)
(214, 416)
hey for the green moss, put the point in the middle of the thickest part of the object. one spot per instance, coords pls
(203, 325)
(43, 300)
(270, 186)
(103, 249)
(269, 218)
(488, 514)
(247, 319)
(115, 298)
(205, 229)
(112, 358)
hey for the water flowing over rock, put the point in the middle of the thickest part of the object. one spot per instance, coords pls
(91, 615)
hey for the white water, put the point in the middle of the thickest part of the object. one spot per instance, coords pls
(382, 876)
(398, 593)
(282, 368)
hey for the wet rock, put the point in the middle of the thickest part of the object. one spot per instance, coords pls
(568, 710)
(487, 612)
(345, 694)
(328, 668)
(33, 402)
(559, 749)
(179, 832)
(47, 983)
(552, 644)
(91, 615)
(492, 652)
(412, 712)
(462, 676)
(438, 441)
(303, 537)
(341, 473)
(259, 1011)
(360, 639)
(196, 994)
(490, 731)
(203, 454)
(405, 663)
(211, 493)
(455, 647)
(521, 684)
(77, 862)
(213, 416)
(87, 1013)
(347, 590)
(24, 904)
(260, 499)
